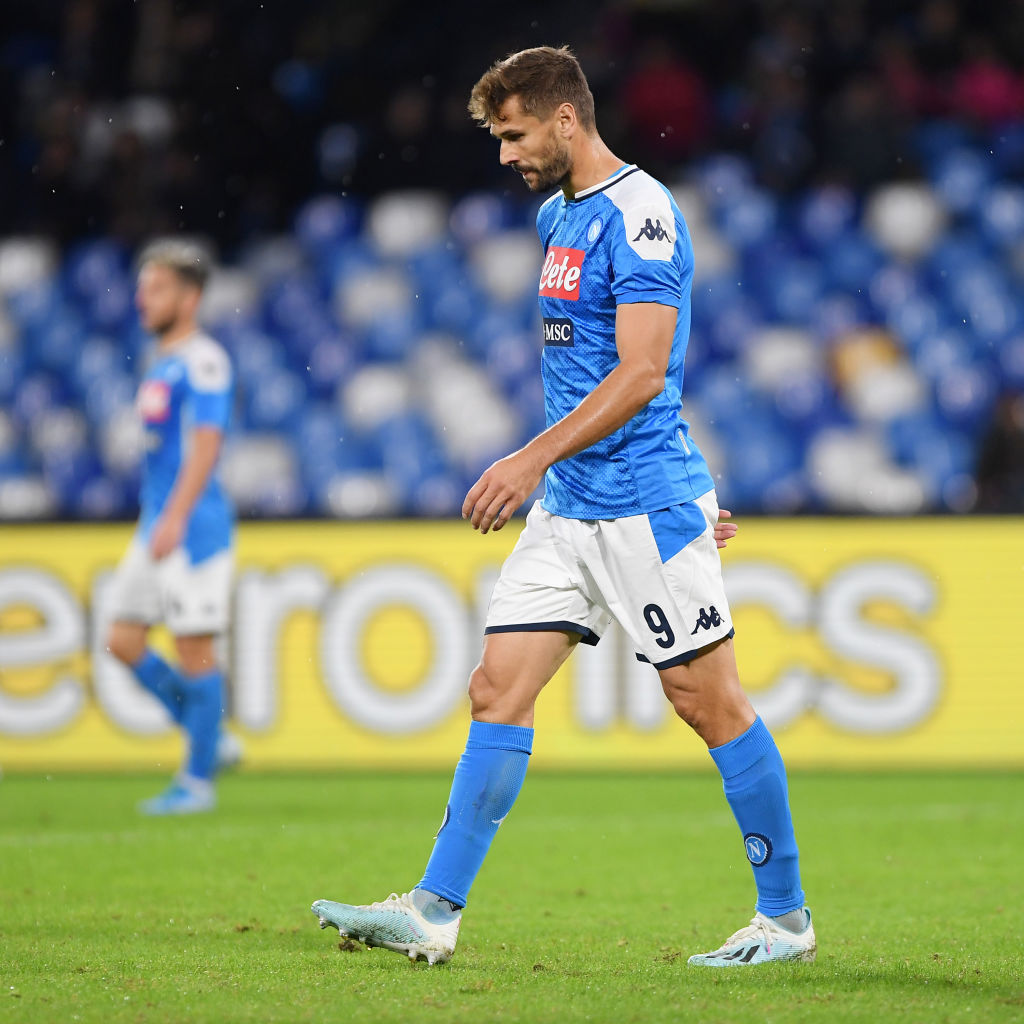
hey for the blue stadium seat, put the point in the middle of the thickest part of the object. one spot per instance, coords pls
(927, 443)
(962, 177)
(1001, 214)
(479, 216)
(825, 216)
(1011, 363)
(274, 402)
(851, 260)
(750, 219)
(325, 223)
(965, 395)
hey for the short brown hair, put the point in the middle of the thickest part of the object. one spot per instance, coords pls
(543, 78)
(189, 260)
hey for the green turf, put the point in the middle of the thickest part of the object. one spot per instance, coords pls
(597, 889)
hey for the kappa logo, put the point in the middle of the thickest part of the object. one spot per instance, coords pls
(707, 619)
(560, 275)
(653, 232)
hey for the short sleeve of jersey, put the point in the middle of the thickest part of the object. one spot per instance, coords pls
(209, 383)
(646, 265)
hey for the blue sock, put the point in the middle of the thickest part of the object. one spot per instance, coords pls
(164, 682)
(201, 721)
(487, 781)
(754, 778)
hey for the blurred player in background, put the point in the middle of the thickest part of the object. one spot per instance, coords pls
(626, 528)
(178, 567)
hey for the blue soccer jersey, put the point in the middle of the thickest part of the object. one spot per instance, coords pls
(623, 240)
(188, 386)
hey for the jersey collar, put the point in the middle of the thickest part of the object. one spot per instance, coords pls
(602, 185)
(176, 346)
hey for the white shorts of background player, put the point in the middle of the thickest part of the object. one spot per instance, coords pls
(190, 599)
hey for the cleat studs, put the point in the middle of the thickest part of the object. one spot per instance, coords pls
(323, 922)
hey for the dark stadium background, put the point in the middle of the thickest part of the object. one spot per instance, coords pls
(852, 173)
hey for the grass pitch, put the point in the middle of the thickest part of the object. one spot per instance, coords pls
(595, 892)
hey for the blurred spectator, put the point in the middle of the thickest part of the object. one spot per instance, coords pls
(939, 36)
(865, 135)
(985, 90)
(1000, 468)
(666, 106)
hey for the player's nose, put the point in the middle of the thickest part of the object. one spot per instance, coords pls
(507, 155)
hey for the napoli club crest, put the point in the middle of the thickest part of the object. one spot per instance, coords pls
(758, 847)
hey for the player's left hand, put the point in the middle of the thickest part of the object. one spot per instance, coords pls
(724, 532)
(168, 532)
(502, 488)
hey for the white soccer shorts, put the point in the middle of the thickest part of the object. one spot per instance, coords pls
(658, 575)
(191, 599)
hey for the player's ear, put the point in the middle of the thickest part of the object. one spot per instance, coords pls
(193, 297)
(566, 119)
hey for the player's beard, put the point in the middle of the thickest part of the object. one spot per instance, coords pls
(553, 167)
(163, 326)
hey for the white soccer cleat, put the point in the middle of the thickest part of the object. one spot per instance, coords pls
(760, 942)
(394, 924)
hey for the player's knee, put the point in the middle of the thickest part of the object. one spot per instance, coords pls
(196, 655)
(697, 708)
(124, 645)
(688, 706)
(482, 691)
(715, 717)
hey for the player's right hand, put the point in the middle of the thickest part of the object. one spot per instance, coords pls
(724, 532)
(502, 488)
(167, 534)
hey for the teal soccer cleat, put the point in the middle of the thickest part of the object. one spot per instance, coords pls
(760, 942)
(181, 797)
(394, 924)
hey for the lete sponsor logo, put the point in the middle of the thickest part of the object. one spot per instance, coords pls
(560, 275)
(154, 401)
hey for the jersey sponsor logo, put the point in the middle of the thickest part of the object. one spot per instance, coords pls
(560, 275)
(558, 332)
(652, 232)
(154, 401)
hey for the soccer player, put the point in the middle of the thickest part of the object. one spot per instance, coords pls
(178, 566)
(626, 528)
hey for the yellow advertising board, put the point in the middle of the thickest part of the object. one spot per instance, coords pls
(862, 643)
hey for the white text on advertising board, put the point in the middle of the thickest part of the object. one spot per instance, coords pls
(610, 686)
